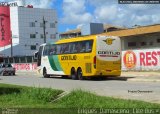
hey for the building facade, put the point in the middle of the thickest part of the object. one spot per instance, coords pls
(140, 48)
(29, 27)
(90, 28)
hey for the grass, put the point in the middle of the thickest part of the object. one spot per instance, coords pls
(19, 96)
(79, 98)
(30, 97)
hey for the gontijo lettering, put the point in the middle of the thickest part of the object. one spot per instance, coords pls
(109, 53)
(69, 57)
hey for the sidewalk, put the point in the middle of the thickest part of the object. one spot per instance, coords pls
(142, 76)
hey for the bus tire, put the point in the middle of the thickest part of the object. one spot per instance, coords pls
(80, 74)
(73, 74)
(45, 75)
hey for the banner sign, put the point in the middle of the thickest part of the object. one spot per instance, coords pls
(25, 66)
(5, 29)
(141, 59)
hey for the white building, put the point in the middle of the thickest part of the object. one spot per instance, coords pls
(27, 27)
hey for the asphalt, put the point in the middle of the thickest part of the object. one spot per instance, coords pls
(119, 87)
(128, 76)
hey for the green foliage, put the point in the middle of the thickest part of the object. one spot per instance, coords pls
(81, 99)
(27, 97)
(18, 96)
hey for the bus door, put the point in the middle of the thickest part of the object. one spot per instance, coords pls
(39, 56)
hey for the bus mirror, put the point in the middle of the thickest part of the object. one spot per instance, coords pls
(36, 55)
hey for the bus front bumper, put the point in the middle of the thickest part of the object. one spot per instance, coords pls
(108, 72)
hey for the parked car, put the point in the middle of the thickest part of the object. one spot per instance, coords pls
(7, 69)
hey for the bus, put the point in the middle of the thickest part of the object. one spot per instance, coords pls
(80, 57)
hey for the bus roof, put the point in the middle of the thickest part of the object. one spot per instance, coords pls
(77, 39)
(74, 39)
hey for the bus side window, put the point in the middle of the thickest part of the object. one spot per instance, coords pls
(78, 47)
(71, 48)
(83, 47)
(58, 49)
(74, 48)
(62, 49)
(46, 50)
(88, 46)
(53, 50)
(66, 48)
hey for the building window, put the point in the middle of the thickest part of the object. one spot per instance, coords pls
(32, 24)
(131, 44)
(143, 43)
(53, 36)
(32, 35)
(33, 47)
(150, 43)
(41, 25)
(158, 40)
(42, 36)
(52, 25)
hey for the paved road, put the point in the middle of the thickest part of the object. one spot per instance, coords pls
(119, 88)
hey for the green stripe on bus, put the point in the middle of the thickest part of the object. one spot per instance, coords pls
(54, 63)
(58, 65)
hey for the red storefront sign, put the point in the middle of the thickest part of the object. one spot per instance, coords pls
(5, 29)
(149, 58)
(146, 59)
(25, 66)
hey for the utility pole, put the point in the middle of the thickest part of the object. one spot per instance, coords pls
(11, 49)
(44, 29)
(11, 45)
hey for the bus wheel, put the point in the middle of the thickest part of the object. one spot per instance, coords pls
(80, 74)
(73, 74)
(45, 75)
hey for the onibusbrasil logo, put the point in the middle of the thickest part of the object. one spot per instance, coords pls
(129, 59)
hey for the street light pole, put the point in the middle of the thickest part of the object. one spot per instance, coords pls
(11, 48)
(11, 45)
(44, 29)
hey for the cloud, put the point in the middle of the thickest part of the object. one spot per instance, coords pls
(104, 11)
(40, 3)
(110, 12)
(125, 15)
(74, 12)
(79, 26)
(103, 14)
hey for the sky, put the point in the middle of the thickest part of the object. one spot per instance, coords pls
(74, 14)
